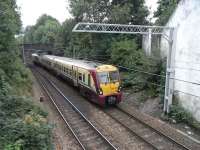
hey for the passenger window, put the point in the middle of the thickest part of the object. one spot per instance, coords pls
(83, 77)
(80, 76)
(70, 72)
(89, 84)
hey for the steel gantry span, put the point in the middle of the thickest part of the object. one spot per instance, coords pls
(168, 33)
(121, 29)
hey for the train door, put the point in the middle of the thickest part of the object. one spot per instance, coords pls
(75, 75)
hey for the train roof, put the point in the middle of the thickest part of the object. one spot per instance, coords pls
(76, 62)
(35, 55)
(90, 65)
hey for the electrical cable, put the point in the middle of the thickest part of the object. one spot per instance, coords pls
(148, 82)
(145, 72)
(190, 62)
(153, 74)
(137, 70)
(185, 81)
(177, 91)
(186, 68)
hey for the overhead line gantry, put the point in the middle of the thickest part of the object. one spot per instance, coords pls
(167, 33)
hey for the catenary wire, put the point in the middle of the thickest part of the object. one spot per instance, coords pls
(185, 81)
(178, 91)
(136, 69)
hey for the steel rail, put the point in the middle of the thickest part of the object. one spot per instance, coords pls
(57, 108)
(80, 113)
(141, 138)
(154, 129)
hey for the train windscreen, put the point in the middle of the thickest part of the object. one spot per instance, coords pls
(107, 77)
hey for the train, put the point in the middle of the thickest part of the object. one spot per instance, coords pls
(100, 83)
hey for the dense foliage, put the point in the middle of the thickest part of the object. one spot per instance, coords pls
(44, 32)
(165, 10)
(22, 125)
(123, 50)
(181, 115)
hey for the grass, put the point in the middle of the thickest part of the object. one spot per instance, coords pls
(181, 115)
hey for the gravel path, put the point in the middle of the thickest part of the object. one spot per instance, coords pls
(62, 137)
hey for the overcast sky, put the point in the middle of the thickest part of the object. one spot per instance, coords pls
(59, 9)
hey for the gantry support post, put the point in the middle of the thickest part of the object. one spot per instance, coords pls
(149, 42)
(170, 71)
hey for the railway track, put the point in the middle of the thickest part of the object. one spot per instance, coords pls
(153, 137)
(86, 134)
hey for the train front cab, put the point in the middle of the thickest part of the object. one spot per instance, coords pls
(109, 88)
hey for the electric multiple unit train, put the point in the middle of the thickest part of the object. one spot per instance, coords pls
(98, 82)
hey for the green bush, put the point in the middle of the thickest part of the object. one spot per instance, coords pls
(181, 115)
(125, 52)
(23, 125)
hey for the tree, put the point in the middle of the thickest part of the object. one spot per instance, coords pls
(15, 81)
(8, 27)
(134, 11)
(165, 10)
(44, 31)
(103, 11)
(90, 10)
(64, 35)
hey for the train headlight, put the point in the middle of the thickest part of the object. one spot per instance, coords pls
(119, 89)
(100, 92)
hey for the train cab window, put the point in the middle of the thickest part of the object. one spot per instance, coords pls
(80, 76)
(114, 76)
(103, 77)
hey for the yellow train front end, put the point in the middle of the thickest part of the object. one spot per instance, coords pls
(109, 84)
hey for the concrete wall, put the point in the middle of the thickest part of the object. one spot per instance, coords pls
(187, 57)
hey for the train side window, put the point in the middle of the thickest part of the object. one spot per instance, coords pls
(89, 82)
(83, 77)
(70, 71)
(80, 76)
